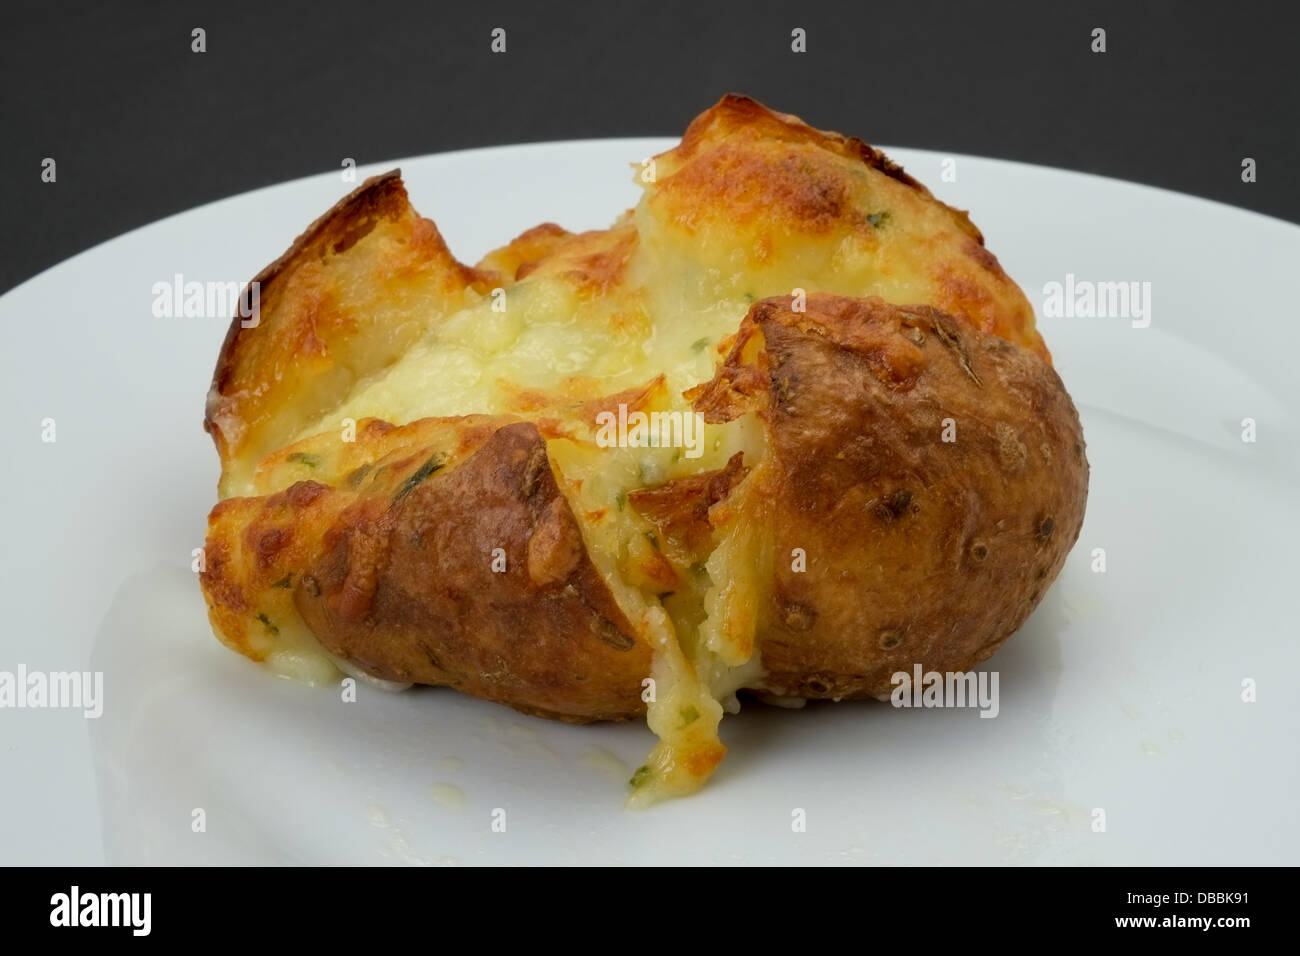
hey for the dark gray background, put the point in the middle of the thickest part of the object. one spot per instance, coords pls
(141, 127)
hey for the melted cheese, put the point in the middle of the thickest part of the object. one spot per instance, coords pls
(546, 352)
(541, 352)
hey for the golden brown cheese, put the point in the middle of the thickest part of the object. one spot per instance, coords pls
(414, 483)
(350, 295)
(759, 199)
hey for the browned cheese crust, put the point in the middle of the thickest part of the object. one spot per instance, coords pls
(763, 192)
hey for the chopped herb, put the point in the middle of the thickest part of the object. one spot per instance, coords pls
(699, 345)
(650, 536)
(689, 715)
(436, 461)
(284, 582)
(620, 499)
(749, 297)
(783, 390)
(878, 219)
(270, 626)
(354, 477)
(949, 338)
(641, 775)
(302, 458)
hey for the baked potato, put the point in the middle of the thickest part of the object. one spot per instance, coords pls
(785, 427)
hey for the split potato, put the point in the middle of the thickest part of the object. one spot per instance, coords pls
(786, 427)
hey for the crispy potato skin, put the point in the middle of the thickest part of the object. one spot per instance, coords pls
(408, 593)
(256, 546)
(679, 509)
(919, 550)
(396, 574)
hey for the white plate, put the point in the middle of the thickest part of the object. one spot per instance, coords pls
(1123, 692)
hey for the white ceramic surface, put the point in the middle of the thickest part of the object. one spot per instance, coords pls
(1123, 692)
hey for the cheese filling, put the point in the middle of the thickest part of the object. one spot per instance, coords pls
(540, 350)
